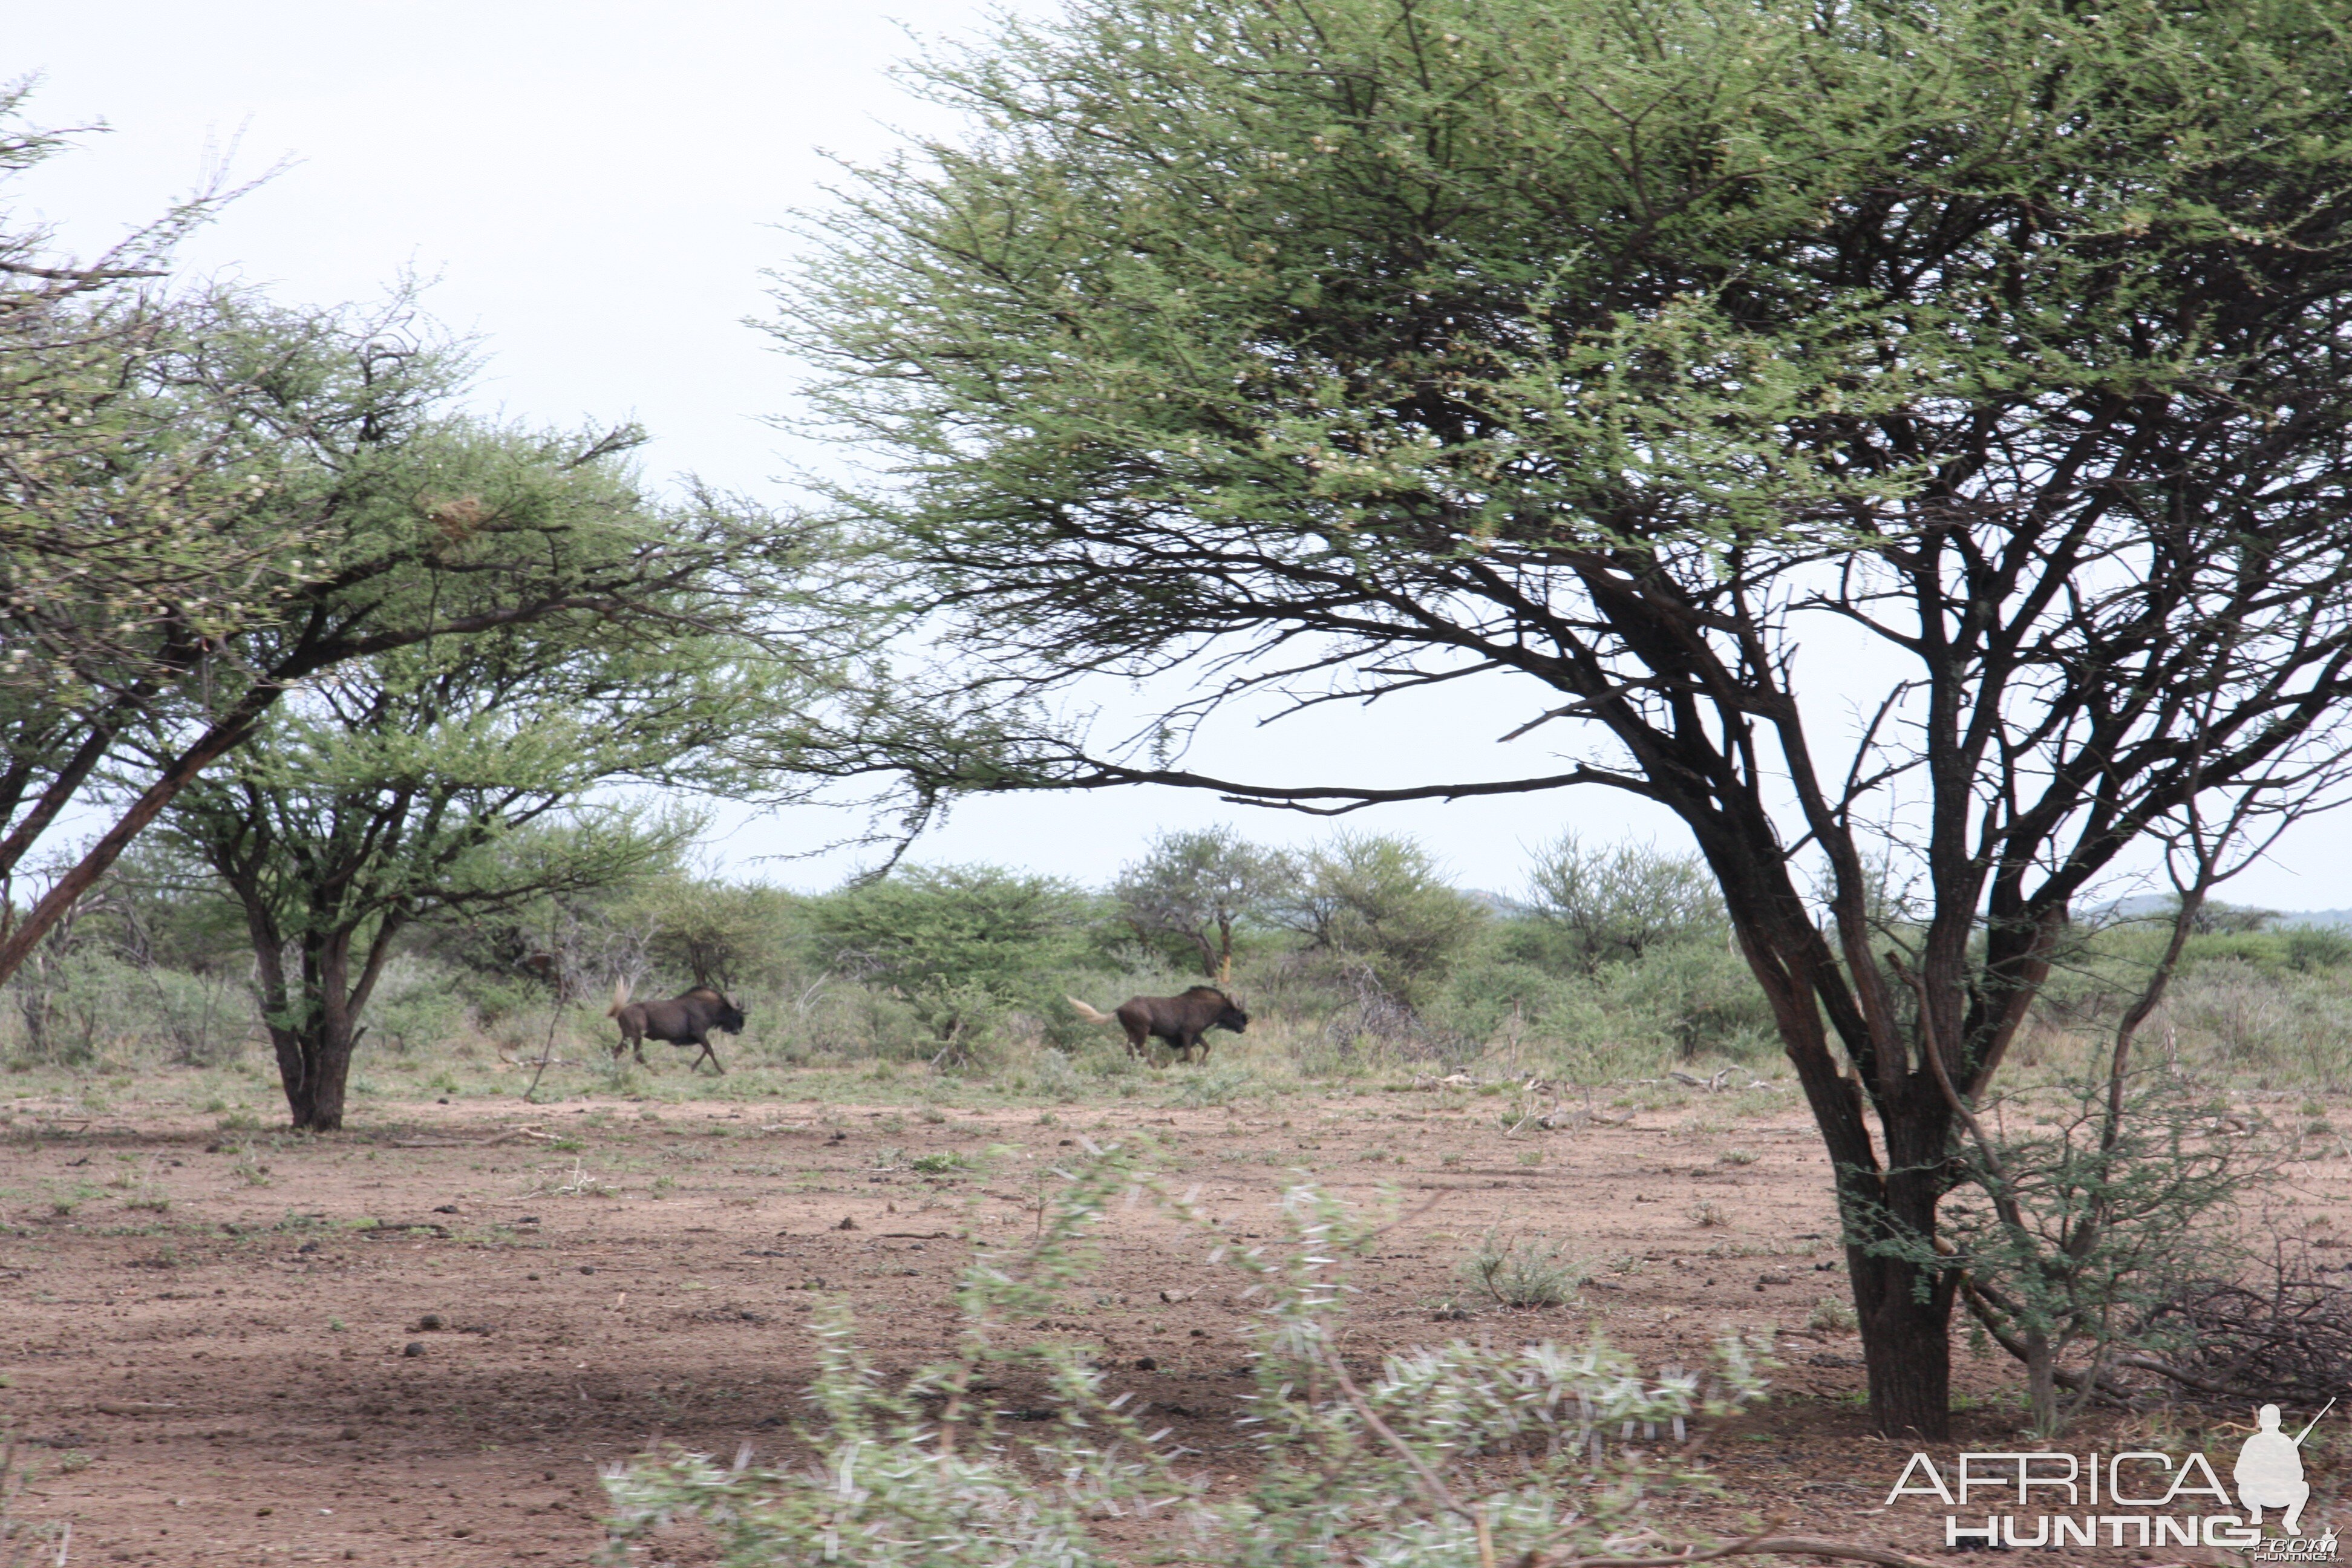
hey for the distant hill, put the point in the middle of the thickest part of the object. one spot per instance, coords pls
(2147, 906)
(1501, 905)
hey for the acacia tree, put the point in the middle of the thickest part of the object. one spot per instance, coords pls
(1381, 908)
(451, 778)
(958, 943)
(1195, 888)
(1614, 350)
(302, 458)
(1617, 904)
(133, 533)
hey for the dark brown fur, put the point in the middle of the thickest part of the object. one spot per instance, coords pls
(685, 1020)
(1182, 1021)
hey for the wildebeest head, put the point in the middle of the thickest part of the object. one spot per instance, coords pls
(1232, 1018)
(724, 1014)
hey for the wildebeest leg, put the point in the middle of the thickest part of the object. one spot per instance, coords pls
(696, 1066)
(1139, 1041)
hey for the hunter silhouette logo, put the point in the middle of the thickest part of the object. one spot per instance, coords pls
(2141, 1498)
(2269, 1471)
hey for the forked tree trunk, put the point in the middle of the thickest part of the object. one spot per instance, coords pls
(313, 1064)
(314, 1025)
(1887, 1186)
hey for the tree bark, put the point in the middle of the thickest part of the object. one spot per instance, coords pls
(1902, 1311)
(317, 1106)
(314, 1047)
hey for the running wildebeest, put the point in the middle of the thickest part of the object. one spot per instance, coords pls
(685, 1020)
(1179, 1020)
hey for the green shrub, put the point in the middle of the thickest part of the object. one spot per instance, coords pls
(2312, 948)
(417, 1006)
(926, 1472)
(1602, 906)
(1525, 1271)
(959, 945)
(71, 1010)
(1379, 906)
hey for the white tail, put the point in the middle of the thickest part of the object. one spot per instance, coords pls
(1088, 1014)
(620, 997)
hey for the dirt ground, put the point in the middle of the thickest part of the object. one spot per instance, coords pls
(209, 1360)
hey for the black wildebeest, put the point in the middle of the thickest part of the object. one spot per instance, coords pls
(685, 1020)
(1179, 1020)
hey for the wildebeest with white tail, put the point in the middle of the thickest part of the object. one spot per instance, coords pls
(685, 1020)
(1179, 1020)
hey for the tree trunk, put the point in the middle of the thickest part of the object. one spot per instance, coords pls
(313, 1024)
(312, 1065)
(1887, 1208)
(2042, 1384)
(1904, 1309)
(1907, 1344)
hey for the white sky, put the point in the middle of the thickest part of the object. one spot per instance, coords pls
(596, 186)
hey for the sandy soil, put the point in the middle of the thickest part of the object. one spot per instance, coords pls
(210, 1363)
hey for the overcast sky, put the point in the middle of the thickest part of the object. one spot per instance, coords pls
(596, 188)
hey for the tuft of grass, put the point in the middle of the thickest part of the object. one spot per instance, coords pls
(1830, 1316)
(1707, 1214)
(1217, 1086)
(1525, 1271)
(939, 1165)
(1738, 1156)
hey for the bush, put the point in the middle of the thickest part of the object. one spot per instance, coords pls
(1192, 892)
(2231, 1015)
(961, 945)
(87, 1004)
(1683, 1001)
(924, 1472)
(1378, 906)
(2310, 948)
(417, 1006)
(703, 932)
(1525, 1271)
(1616, 905)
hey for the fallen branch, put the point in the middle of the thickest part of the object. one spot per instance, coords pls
(1754, 1546)
(475, 1143)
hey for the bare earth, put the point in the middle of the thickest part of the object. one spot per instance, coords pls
(207, 1369)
